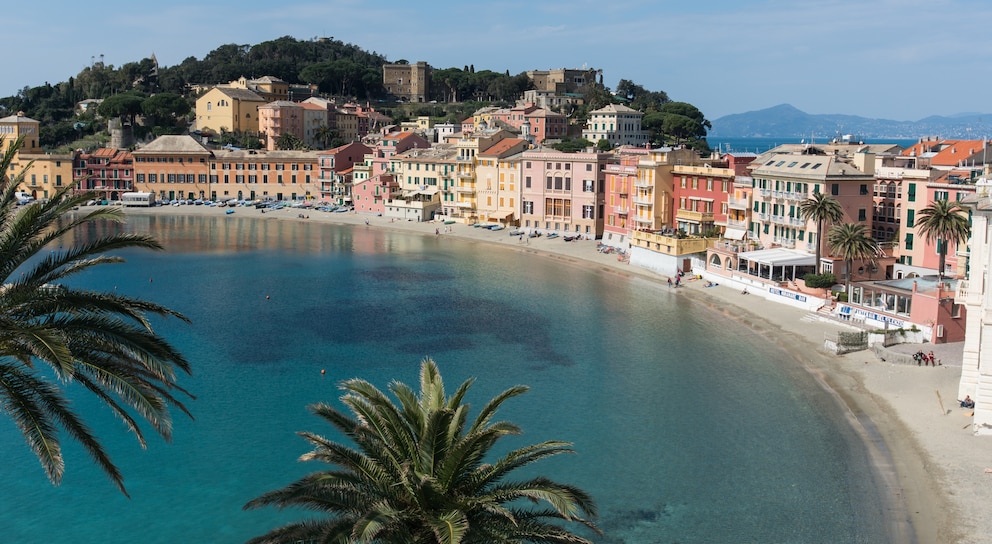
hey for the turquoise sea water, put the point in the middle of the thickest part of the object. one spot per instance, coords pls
(688, 427)
(760, 145)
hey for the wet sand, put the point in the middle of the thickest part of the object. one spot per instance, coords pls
(929, 460)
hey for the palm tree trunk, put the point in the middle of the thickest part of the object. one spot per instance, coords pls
(942, 255)
(819, 241)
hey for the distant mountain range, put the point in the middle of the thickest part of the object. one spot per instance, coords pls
(786, 121)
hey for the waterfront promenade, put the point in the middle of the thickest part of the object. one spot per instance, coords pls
(929, 457)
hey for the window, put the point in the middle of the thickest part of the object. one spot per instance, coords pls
(864, 189)
(911, 192)
(909, 240)
(910, 218)
(587, 186)
(528, 207)
(527, 182)
(862, 215)
(587, 212)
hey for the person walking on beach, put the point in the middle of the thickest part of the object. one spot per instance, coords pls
(669, 283)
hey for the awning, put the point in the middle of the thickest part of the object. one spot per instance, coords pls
(734, 234)
(779, 256)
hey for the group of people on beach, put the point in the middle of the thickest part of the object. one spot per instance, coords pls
(925, 358)
(678, 279)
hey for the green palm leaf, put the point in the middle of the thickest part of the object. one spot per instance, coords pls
(52, 334)
(419, 475)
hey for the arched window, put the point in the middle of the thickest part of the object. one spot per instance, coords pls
(209, 106)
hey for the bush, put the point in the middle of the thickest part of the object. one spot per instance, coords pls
(818, 281)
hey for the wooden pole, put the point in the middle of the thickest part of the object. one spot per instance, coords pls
(943, 412)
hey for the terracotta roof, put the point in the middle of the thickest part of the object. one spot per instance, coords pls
(311, 106)
(501, 147)
(104, 152)
(956, 151)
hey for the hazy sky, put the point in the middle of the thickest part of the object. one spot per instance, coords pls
(893, 59)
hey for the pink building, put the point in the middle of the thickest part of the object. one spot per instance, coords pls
(921, 252)
(535, 123)
(370, 195)
(563, 192)
(278, 118)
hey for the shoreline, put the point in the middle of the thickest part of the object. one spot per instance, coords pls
(926, 458)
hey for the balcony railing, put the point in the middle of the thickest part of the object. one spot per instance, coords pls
(694, 216)
(643, 201)
(736, 224)
(737, 203)
(785, 242)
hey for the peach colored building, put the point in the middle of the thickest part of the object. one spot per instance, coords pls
(278, 118)
(173, 167)
(783, 180)
(246, 174)
(620, 179)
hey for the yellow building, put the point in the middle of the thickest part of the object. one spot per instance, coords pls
(44, 173)
(498, 177)
(654, 189)
(228, 109)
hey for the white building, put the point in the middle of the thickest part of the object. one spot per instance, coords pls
(974, 293)
(616, 124)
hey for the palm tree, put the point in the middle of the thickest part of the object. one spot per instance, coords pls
(824, 209)
(53, 334)
(944, 222)
(851, 242)
(419, 474)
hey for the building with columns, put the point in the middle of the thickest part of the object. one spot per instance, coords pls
(975, 295)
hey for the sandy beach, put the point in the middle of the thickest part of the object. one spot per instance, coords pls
(930, 461)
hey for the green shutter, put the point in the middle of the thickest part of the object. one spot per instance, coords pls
(910, 218)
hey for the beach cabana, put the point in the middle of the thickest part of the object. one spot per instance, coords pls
(776, 264)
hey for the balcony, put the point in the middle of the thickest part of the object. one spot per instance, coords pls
(785, 242)
(621, 210)
(737, 203)
(643, 201)
(641, 220)
(465, 189)
(643, 184)
(670, 245)
(694, 216)
(736, 224)
(466, 175)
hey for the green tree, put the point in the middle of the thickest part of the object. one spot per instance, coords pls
(944, 222)
(289, 141)
(127, 106)
(604, 145)
(166, 111)
(851, 242)
(53, 334)
(419, 474)
(824, 209)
